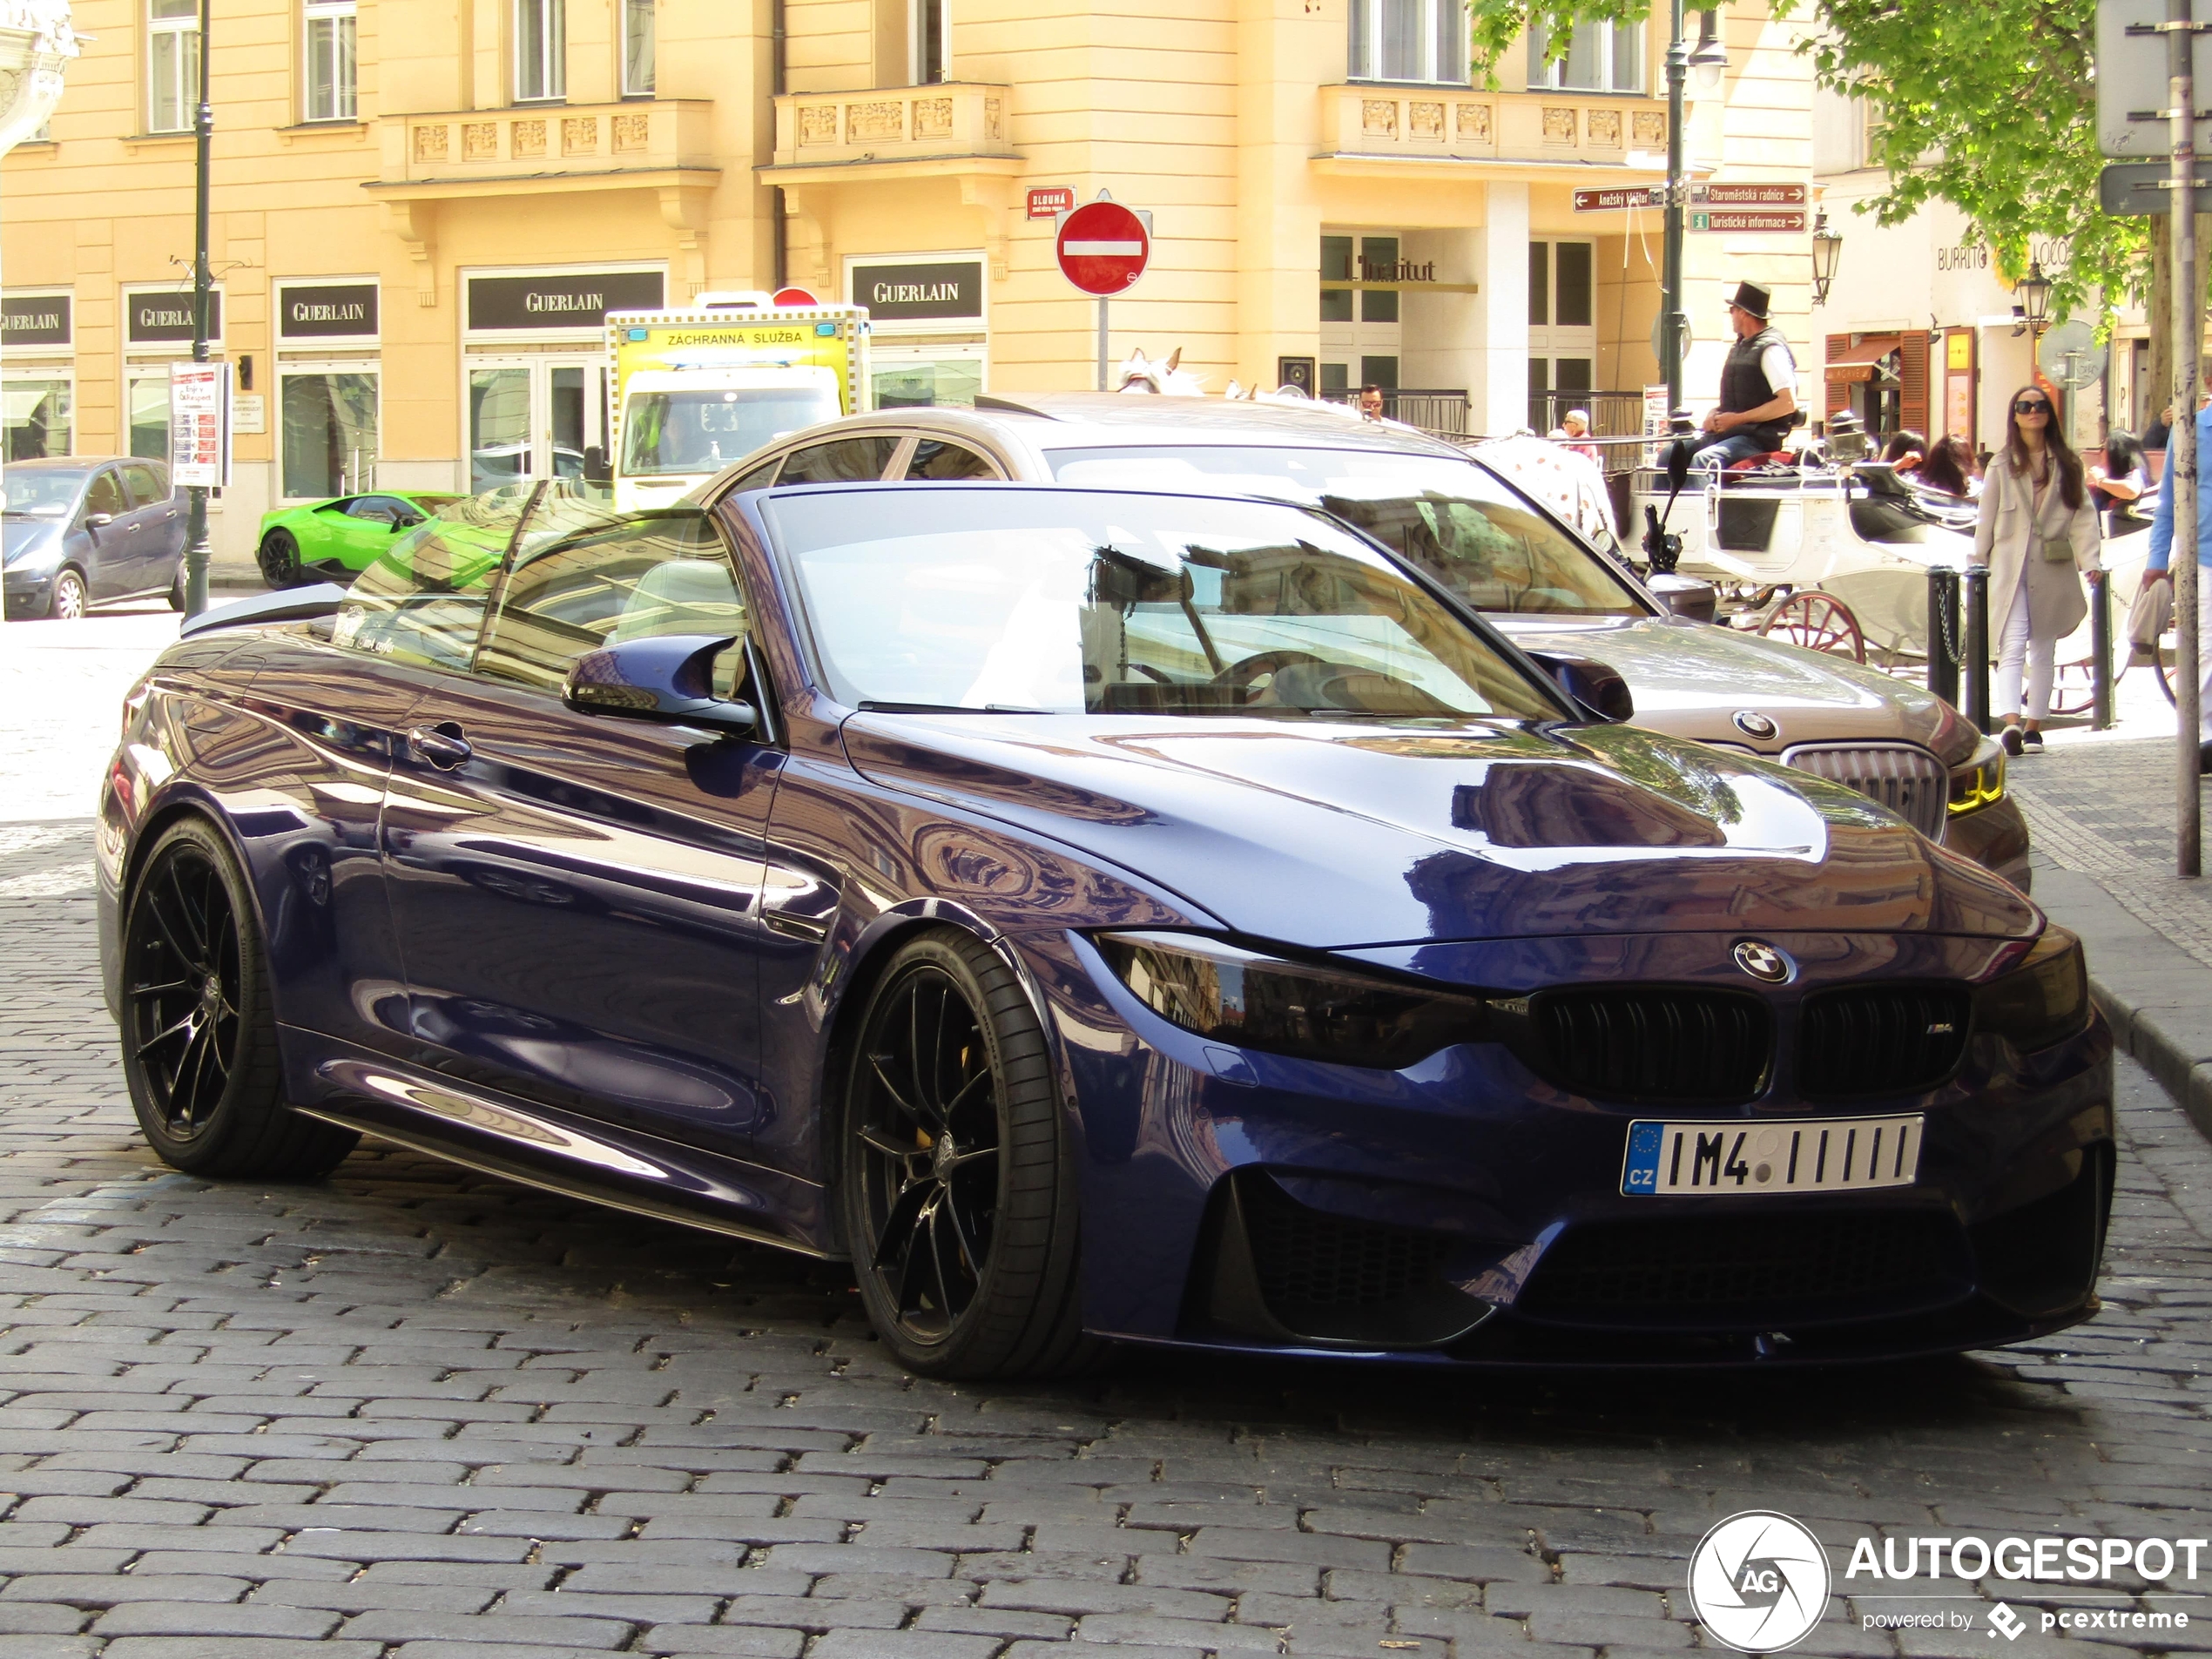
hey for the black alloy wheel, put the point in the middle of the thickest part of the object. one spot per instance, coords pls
(200, 1053)
(958, 1191)
(278, 557)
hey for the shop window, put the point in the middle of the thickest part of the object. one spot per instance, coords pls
(328, 34)
(932, 30)
(1600, 57)
(638, 37)
(41, 417)
(1561, 284)
(1378, 263)
(949, 381)
(1409, 40)
(541, 50)
(1336, 380)
(1379, 371)
(329, 442)
(1336, 267)
(148, 411)
(172, 64)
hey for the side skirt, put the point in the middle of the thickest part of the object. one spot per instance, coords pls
(595, 1162)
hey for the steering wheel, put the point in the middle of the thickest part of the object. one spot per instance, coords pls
(1238, 675)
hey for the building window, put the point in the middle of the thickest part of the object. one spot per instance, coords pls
(1600, 57)
(1409, 40)
(41, 417)
(329, 39)
(172, 64)
(148, 412)
(329, 432)
(541, 50)
(637, 48)
(930, 52)
(925, 376)
(1560, 285)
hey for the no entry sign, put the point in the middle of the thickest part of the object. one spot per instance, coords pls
(1103, 248)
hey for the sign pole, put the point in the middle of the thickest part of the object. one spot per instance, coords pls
(1101, 343)
(1670, 268)
(195, 550)
(2181, 455)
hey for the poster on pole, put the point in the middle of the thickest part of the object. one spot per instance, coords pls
(1654, 421)
(199, 425)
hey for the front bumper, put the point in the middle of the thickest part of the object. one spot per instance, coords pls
(1466, 1211)
(1995, 837)
(28, 593)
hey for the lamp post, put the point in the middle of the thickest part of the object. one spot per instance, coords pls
(2033, 293)
(1710, 60)
(195, 550)
(1827, 249)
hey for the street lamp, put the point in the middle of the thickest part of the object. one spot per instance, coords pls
(2033, 292)
(1827, 248)
(1710, 59)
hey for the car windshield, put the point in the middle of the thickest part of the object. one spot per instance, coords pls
(1457, 521)
(42, 492)
(703, 430)
(1093, 601)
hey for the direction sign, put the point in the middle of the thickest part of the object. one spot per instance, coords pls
(1606, 201)
(2132, 86)
(1748, 218)
(2132, 189)
(1751, 195)
(1103, 248)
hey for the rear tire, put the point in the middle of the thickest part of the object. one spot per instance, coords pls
(199, 1043)
(956, 1184)
(278, 557)
(177, 590)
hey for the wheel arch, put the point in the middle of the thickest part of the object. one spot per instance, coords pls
(181, 802)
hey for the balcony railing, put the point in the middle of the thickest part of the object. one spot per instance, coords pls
(945, 120)
(544, 140)
(1451, 123)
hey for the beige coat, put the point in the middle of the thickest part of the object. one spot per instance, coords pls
(2011, 547)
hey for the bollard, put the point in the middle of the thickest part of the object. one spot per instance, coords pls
(1975, 596)
(2101, 714)
(1943, 633)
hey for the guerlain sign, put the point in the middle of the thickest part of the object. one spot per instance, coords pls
(164, 317)
(35, 319)
(327, 311)
(558, 301)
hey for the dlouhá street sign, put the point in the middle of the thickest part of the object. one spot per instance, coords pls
(1103, 248)
(1049, 201)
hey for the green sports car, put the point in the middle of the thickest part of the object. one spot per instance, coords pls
(337, 540)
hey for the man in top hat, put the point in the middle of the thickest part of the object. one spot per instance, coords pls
(1758, 386)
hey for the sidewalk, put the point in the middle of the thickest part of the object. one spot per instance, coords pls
(2101, 807)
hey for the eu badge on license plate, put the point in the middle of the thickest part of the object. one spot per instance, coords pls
(1815, 1155)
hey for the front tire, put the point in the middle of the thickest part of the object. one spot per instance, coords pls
(957, 1188)
(199, 1044)
(278, 557)
(69, 599)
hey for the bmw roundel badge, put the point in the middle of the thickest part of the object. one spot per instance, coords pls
(1762, 960)
(1752, 724)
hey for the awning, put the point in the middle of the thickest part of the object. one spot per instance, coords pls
(1865, 360)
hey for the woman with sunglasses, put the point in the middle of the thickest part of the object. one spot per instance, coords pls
(2037, 533)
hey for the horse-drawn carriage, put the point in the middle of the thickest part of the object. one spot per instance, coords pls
(1837, 558)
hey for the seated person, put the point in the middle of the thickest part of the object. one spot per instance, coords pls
(1758, 402)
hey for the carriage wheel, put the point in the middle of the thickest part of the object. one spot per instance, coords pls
(2073, 691)
(1818, 622)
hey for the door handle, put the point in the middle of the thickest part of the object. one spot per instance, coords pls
(442, 745)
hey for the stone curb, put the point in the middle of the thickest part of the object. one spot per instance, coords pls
(2156, 996)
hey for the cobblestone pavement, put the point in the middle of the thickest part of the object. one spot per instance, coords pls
(415, 1413)
(2103, 804)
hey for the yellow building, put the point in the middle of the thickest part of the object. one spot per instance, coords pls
(421, 207)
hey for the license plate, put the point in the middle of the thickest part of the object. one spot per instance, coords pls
(1822, 1155)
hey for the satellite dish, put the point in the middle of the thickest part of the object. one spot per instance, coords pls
(2070, 356)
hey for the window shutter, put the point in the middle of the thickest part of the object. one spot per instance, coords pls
(1912, 380)
(1838, 392)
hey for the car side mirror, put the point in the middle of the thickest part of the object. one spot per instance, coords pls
(1685, 595)
(99, 521)
(1597, 688)
(668, 677)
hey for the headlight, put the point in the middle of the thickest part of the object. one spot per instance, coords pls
(2045, 1000)
(1287, 1008)
(1980, 781)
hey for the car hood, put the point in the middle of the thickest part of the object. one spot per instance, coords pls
(22, 539)
(1691, 679)
(1330, 835)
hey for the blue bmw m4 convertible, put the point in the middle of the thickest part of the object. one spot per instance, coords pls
(1099, 916)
